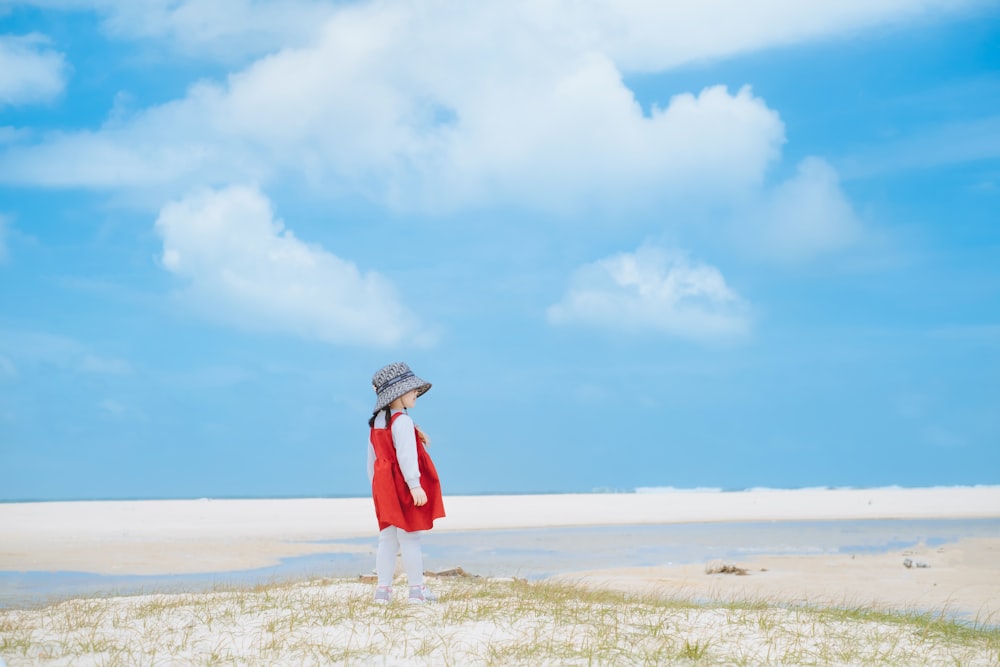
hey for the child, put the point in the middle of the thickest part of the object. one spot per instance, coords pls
(405, 485)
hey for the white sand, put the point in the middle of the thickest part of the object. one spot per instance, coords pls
(184, 536)
(475, 623)
(961, 579)
(301, 624)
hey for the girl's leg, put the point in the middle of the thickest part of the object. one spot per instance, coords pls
(385, 557)
(413, 558)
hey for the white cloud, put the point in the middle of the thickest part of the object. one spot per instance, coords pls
(566, 143)
(585, 141)
(639, 34)
(244, 268)
(656, 35)
(30, 71)
(217, 29)
(505, 101)
(652, 290)
(449, 105)
(801, 218)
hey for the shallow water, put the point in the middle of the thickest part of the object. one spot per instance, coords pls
(534, 553)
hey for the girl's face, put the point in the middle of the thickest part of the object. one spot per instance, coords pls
(409, 399)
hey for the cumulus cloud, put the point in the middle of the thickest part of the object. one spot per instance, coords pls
(445, 105)
(653, 290)
(555, 140)
(801, 218)
(243, 267)
(450, 105)
(585, 141)
(30, 70)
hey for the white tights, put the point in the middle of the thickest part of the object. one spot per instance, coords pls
(395, 540)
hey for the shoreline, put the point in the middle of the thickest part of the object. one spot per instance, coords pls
(813, 543)
(958, 579)
(187, 536)
(533, 554)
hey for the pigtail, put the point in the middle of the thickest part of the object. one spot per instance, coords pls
(388, 417)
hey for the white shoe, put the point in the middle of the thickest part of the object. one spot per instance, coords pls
(383, 595)
(421, 594)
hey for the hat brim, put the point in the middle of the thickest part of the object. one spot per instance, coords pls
(390, 394)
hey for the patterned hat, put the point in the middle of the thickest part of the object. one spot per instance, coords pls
(392, 381)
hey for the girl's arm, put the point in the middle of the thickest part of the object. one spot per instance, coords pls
(405, 441)
(371, 462)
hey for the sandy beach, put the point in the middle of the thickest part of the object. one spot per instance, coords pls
(176, 536)
(961, 578)
(198, 536)
(933, 550)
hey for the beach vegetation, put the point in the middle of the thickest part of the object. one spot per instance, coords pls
(478, 622)
(693, 649)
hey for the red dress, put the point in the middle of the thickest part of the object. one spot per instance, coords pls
(393, 501)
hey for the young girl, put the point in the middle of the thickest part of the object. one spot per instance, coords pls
(405, 484)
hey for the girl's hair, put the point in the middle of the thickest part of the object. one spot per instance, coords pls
(388, 417)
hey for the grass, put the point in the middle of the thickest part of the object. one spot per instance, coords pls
(477, 622)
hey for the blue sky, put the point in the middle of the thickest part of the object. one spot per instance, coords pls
(631, 244)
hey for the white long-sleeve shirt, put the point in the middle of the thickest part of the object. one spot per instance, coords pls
(405, 439)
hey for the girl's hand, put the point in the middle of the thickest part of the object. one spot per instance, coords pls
(423, 437)
(419, 496)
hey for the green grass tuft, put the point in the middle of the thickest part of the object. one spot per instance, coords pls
(477, 622)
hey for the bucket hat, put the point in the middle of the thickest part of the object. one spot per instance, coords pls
(392, 381)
